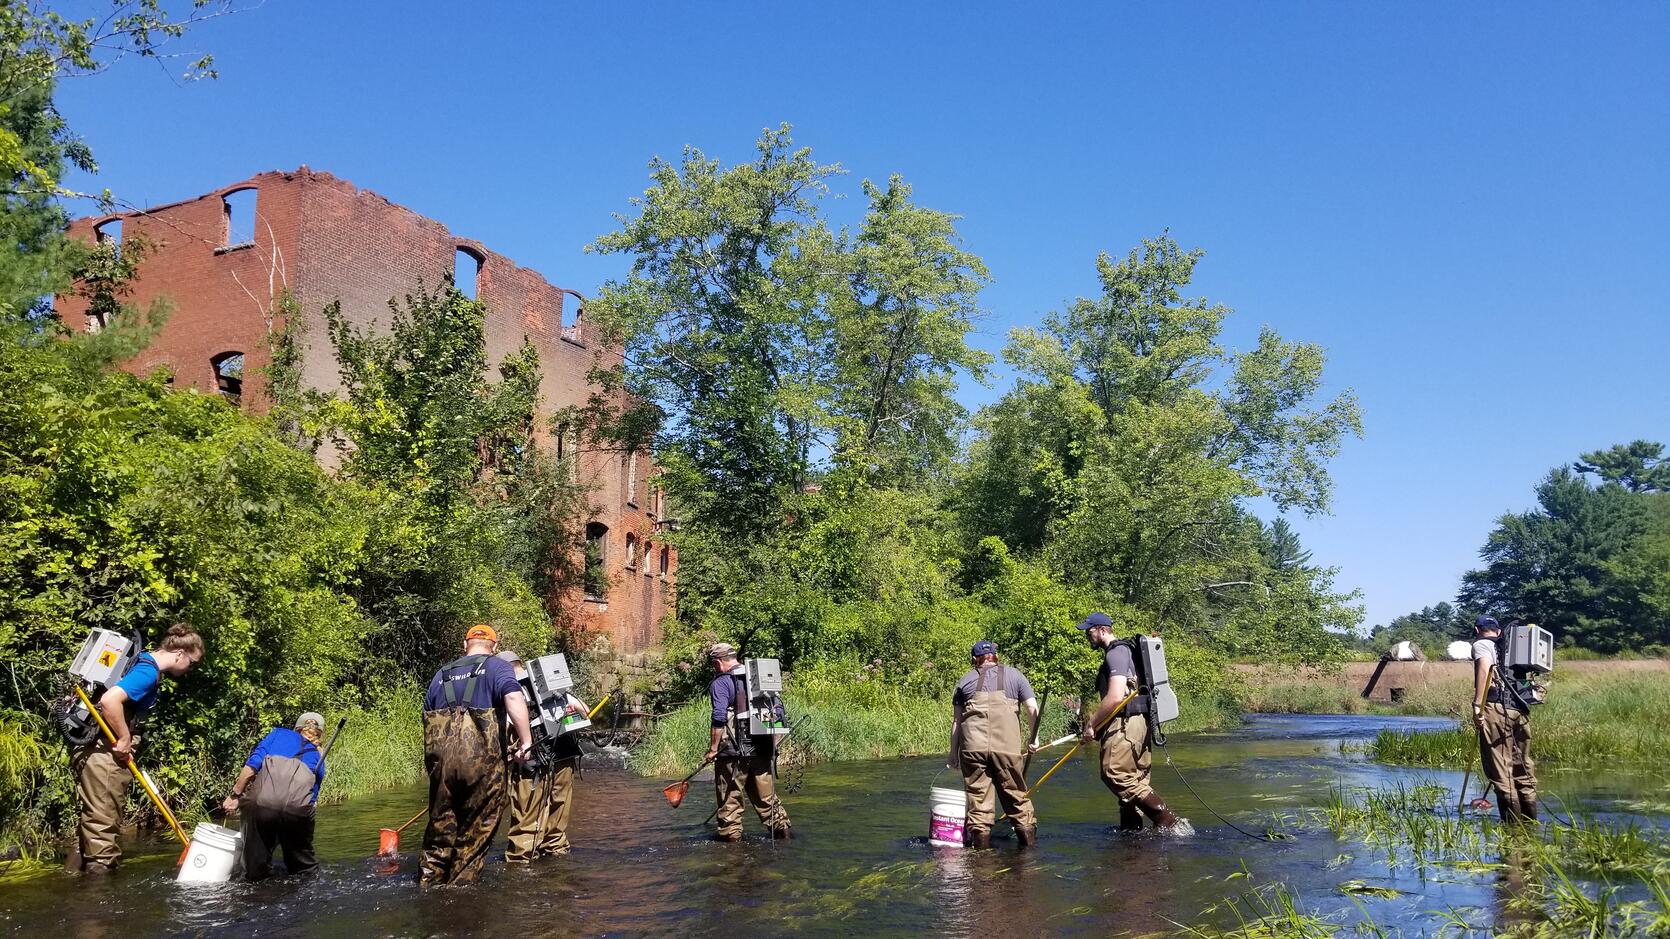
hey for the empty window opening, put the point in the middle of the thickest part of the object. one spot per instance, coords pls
(240, 217)
(573, 308)
(108, 232)
(466, 269)
(229, 375)
(595, 581)
(632, 479)
(666, 556)
(631, 552)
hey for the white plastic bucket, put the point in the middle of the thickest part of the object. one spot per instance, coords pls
(213, 852)
(946, 816)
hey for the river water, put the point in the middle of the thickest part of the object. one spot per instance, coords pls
(859, 863)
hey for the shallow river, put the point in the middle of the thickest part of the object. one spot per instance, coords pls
(859, 863)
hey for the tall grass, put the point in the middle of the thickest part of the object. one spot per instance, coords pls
(1587, 719)
(836, 718)
(381, 747)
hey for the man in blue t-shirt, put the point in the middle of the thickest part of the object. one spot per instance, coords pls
(741, 761)
(266, 828)
(101, 768)
(466, 706)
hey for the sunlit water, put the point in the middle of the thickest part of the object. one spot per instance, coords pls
(859, 863)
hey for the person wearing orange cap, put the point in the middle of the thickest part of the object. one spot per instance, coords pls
(469, 700)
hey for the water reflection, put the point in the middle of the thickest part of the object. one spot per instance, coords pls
(860, 863)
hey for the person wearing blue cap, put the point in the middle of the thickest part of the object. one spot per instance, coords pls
(986, 745)
(1127, 753)
(1503, 719)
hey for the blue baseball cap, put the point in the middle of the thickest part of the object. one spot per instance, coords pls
(983, 647)
(1096, 619)
(1486, 622)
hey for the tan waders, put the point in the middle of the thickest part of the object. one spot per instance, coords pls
(1505, 750)
(540, 807)
(989, 754)
(1127, 765)
(465, 758)
(101, 786)
(734, 776)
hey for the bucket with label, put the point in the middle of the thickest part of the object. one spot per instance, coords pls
(949, 809)
(214, 851)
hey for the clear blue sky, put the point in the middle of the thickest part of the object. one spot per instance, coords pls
(1467, 204)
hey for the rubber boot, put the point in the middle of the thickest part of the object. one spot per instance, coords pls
(1026, 836)
(979, 839)
(730, 838)
(1129, 818)
(1155, 808)
(1528, 808)
(783, 833)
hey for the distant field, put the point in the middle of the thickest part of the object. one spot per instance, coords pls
(1410, 687)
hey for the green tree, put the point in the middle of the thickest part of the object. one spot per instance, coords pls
(901, 338)
(1638, 466)
(1119, 461)
(1583, 564)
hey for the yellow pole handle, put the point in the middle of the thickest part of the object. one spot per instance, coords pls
(1069, 754)
(599, 707)
(133, 767)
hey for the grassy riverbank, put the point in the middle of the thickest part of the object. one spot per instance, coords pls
(845, 719)
(1586, 720)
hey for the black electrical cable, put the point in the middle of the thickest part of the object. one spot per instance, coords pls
(1192, 792)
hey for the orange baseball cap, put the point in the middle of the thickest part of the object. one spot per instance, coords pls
(481, 631)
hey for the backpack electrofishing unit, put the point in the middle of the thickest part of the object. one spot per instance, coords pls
(1525, 652)
(552, 706)
(765, 698)
(1158, 700)
(104, 658)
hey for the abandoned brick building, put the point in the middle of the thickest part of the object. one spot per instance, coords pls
(223, 258)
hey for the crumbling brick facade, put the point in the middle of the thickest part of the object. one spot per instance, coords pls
(326, 240)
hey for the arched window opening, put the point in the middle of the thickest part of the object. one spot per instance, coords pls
(108, 232)
(562, 441)
(229, 375)
(666, 559)
(239, 206)
(573, 308)
(631, 552)
(632, 478)
(466, 270)
(595, 580)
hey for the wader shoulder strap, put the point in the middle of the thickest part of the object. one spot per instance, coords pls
(980, 684)
(449, 683)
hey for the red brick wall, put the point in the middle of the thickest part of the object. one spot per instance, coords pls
(329, 241)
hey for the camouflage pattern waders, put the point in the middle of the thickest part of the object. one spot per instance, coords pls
(735, 775)
(464, 755)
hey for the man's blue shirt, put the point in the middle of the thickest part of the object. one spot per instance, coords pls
(140, 683)
(282, 741)
(497, 679)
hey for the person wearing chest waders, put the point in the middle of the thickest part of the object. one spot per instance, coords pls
(1503, 719)
(741, 760)
(101, 773)
(285, 771)
(464, 751)
(986, 744)
(541, 792)
(1127, 752)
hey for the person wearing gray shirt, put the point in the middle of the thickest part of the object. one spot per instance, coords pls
(986, 745)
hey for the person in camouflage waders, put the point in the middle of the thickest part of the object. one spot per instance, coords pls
(463, 751)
